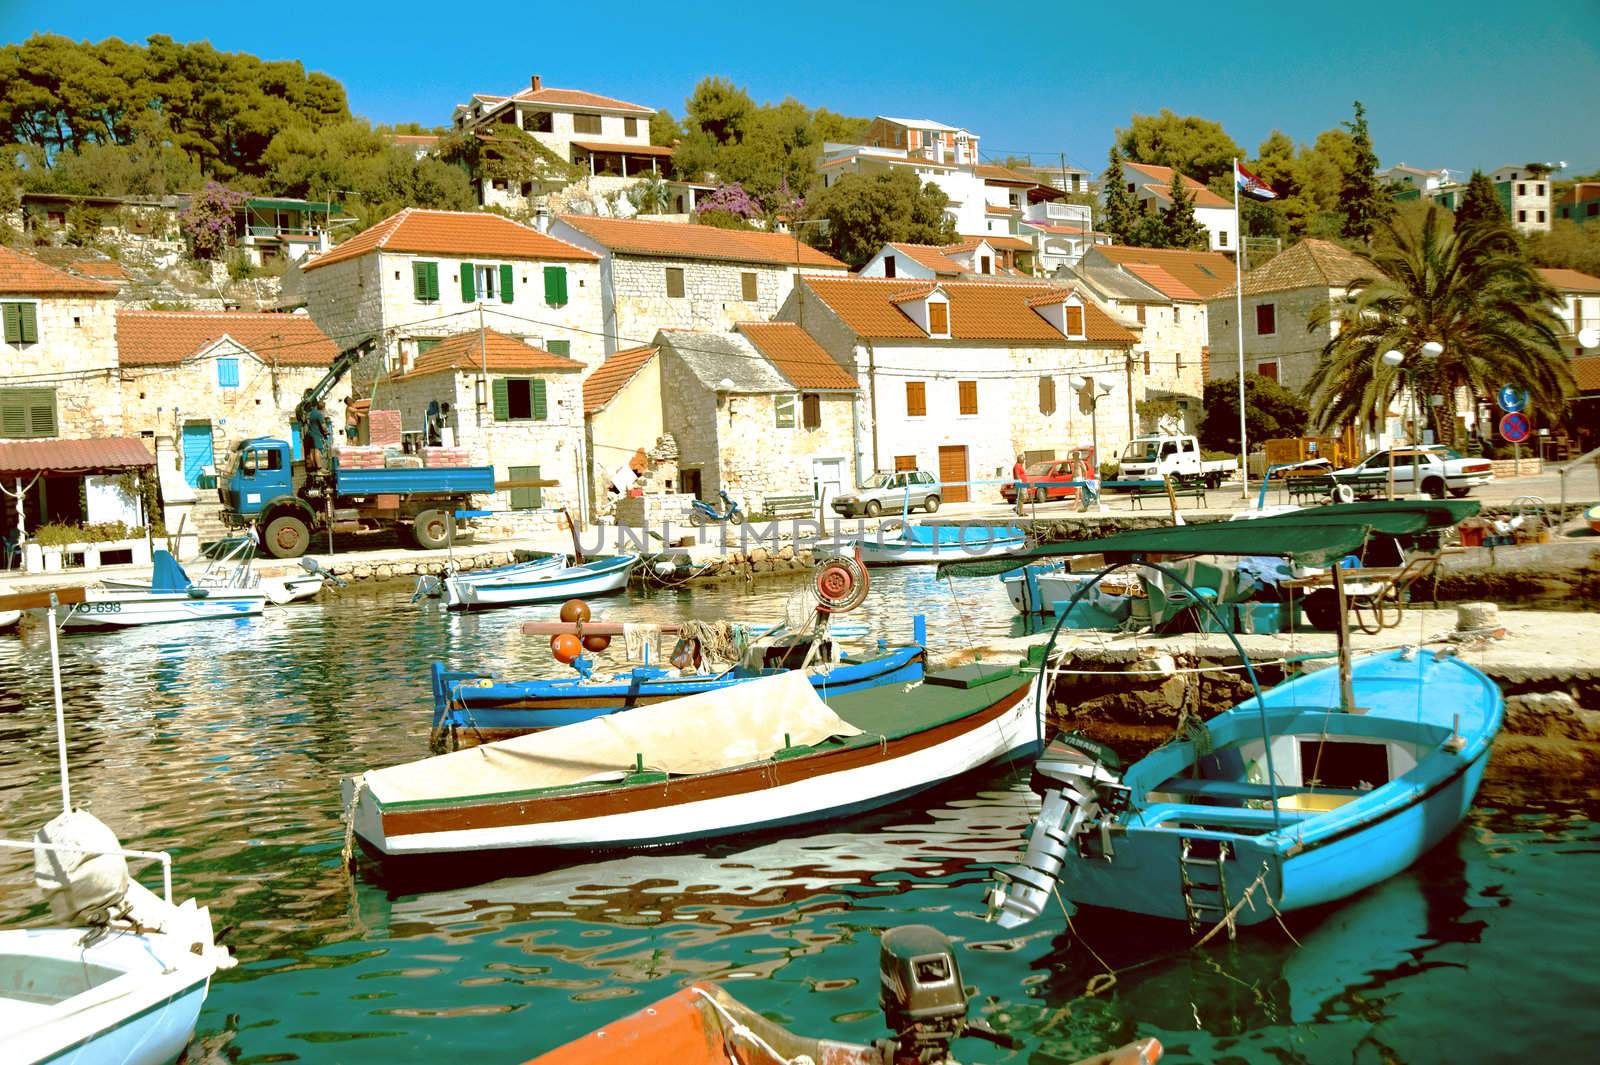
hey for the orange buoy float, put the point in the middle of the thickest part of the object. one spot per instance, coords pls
(566, 647)
(596, 643)
(574, 611)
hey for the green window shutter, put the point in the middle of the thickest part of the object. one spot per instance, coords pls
(540, 410)
(525, 498)
(426, 344)
(30, 323)
(419, 281)
(559, 347)
(13, 322)
(13, 414)
(505, 282)
(502, 400)
(468, 293)
(555, 286)
(433, 281)
(42, 413)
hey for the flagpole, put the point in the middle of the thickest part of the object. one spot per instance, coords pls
(1238, 307)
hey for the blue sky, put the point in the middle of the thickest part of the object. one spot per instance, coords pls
(1461, 84)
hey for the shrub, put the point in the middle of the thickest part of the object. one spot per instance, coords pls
(58, 534)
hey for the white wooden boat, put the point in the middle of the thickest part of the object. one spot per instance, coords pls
(123, 980)
(761, 755)
(911, 544)
(170, 597)
(9, 619)
(541, 584)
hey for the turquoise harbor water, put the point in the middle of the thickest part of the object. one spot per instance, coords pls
(224, 743)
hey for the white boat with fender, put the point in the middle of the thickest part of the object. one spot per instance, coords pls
(540, 583)
(170, 597)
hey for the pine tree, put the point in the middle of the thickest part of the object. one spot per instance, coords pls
(1119, 215)
(1361, 198)
(1179, 228)
(1481, 209)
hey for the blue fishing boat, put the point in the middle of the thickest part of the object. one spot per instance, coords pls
(1305, 794)
(473, 708)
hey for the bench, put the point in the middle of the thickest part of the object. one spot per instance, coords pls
(1305, 489)
(789, 506)
(1240, 791)
(1157, 490)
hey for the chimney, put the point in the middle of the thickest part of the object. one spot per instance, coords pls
(541, 218)
(535, 83)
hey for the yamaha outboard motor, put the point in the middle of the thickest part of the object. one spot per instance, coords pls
(923, 1000)
(1077, 780)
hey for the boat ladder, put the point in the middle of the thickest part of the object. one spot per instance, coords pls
(1204, 896)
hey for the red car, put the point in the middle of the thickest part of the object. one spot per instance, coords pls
(1040, 475)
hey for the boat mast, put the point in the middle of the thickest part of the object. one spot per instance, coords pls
(61, 720)
(1347, 698)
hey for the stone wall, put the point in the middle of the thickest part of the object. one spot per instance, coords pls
(76, 355)
(692, 417)
(553, 444)
(713, 296)
(159, 399)
(1295, 349)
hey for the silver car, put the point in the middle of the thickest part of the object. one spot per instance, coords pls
(891, 492)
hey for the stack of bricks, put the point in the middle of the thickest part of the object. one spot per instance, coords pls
(383, 427)
(445, 456)
(353, 457)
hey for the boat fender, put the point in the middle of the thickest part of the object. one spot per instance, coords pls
(80, 882)
(1342, 493)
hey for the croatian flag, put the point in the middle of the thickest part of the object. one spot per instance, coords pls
(1251, 185)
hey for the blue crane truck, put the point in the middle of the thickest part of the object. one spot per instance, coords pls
(291, 501)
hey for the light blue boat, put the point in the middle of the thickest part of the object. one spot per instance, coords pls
(1354, 798)
(941, 542)
(1302, 795)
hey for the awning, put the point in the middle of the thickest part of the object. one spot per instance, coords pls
(623, 149)
(1315, 536)
(18, 457)
(267, 203)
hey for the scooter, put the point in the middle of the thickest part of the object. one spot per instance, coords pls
(701, 512)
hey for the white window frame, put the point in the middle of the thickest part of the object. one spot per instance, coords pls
(486, 280)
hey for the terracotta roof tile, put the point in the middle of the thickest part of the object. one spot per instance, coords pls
(1162, 280)
(797, 356)
(1199, 274)
(1161, 178)
(1309, 264)
(73, 456)
(167, 338)
(501, 353)
(680, 240)
(979, 310)
(995, 172)
(577, 98)
(1564, 280)
(611, 376)
(931, 257)
(458, 233)
(24, 275)
(999, 243)
(99, 270)
(998, 209)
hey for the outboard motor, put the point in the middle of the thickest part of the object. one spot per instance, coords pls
(924, 1003)
(1076, 778)
(87, 885)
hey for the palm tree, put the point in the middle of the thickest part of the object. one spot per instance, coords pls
(1465, 290)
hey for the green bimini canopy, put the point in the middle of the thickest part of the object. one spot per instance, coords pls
(1316, 536)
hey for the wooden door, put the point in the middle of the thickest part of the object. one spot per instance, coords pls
(904, 462)
(953, 474)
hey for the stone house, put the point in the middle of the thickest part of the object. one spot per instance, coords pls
(607, 138)
(209, 379)
(61, 416)
(760, 413)
(1526, 196)
(509, 405)
(1577, 303)
(1279, 298)
(1161, 294)
(671, 275)
(419, 277)
(622, 412)
(1151, 187)
(960, 377)
(973, 257)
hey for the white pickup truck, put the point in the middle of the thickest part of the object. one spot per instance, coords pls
(1152, 458)
(1431, 469)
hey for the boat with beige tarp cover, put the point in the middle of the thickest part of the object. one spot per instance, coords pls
(766, 753)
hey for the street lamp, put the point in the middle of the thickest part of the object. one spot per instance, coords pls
(1430, 350)
(1096, 390)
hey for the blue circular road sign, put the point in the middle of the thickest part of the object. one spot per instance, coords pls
(1512, 399)
(1515, 428)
